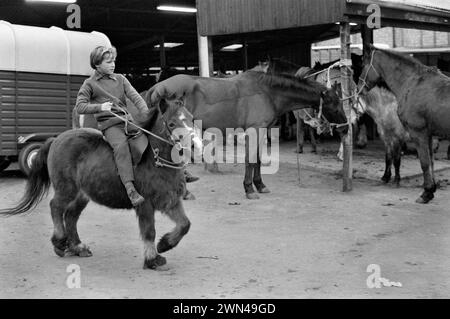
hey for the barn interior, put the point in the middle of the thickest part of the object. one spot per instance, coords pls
(261, 28)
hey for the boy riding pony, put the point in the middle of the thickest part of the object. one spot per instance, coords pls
(97, 96)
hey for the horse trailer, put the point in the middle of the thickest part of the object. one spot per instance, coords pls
(41, 71)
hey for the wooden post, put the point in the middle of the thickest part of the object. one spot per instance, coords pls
(367, 38)
(346, 78)
(162, 52)
(205, 56)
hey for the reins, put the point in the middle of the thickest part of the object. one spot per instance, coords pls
(159, 161)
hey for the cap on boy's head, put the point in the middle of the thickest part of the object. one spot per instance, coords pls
(100, 53)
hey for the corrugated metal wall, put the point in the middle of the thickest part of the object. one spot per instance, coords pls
(34, 103)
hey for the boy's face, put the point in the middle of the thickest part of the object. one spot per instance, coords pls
(108, 64)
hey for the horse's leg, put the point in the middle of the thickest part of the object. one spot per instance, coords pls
(397, 161)
(248, 183)
(182, 225)
(257, 179)
(146, 217)
(432, 152)
(213, 167)
(387, 170)
(300, 134)
(423, 145)
(313, 139)
(71, 216)
(59, 237)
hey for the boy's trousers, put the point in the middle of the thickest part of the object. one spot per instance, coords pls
(116, 137)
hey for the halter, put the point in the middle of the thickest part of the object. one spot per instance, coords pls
(159, 161)
(367, 73)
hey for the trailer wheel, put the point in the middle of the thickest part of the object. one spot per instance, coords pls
(4, 163)
(27, 156)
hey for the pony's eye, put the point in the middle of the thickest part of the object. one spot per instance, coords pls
(171, 125)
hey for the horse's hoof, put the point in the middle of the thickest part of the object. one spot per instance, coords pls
(80, 250)
(59, 252)
(314, 151)
(425, 198)
(385, 179)
(299, 150)
(252, 196)
(420, 200)
(264, 190)
(155, 262)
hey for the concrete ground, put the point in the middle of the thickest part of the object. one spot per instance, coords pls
(306, 239)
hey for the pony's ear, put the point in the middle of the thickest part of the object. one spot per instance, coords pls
(163, 106)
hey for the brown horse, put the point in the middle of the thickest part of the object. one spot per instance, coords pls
(80, 166)
(249, 100)
(331, 77)
(423, 95)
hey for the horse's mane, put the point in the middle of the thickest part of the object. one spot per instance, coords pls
(287, 81)
(282, 65)
(303, 72)
(405, 58)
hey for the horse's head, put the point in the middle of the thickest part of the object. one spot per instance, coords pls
(176, 124)
(332, 108)
(369, 74)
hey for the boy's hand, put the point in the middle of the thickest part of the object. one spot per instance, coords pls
(107, 106)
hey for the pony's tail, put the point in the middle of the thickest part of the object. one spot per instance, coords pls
(38, 183)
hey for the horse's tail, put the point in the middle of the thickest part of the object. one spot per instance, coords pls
(38, 183)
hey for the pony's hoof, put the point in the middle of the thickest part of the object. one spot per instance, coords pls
(314, 151)
(80, 250)
(155, 262)
(299, 150)
(264, 190)
(252, 196)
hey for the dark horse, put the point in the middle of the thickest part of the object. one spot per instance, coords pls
(80, 166)
(423, 95)
(252, 99)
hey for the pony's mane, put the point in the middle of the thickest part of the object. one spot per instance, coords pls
(405, 58)
(287, 81)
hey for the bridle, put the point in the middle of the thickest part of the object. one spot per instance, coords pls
(159, 161)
